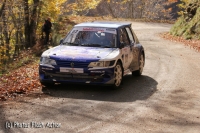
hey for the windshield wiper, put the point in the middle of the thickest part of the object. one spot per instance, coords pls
(104, 46)
(91, 44)
(95, 45)
(71, 44)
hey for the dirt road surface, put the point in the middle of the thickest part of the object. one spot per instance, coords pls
(165, 99)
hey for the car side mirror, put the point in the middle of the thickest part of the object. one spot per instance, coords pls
(122, 45)
(61, 41)
(132, 43)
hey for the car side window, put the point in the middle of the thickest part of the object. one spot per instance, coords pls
(136, 39)
(123, 37)
(130, 35)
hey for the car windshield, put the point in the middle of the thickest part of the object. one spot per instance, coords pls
(91, 37)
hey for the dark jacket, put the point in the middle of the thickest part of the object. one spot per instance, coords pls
(47, 26)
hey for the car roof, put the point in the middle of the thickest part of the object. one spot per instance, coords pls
(106, 24)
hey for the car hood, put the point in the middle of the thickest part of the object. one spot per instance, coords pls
(80, 53)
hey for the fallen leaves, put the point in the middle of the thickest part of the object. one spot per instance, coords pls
(20, 81)
(195, 44)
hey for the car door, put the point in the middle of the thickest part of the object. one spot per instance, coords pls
(126, 49)
(134, 60)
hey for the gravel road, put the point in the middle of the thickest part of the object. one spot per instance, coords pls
(165, 99)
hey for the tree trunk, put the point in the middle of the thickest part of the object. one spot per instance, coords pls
(33, 23)
(16, 53)
(2, 8)
(26, 24)
(111, 11)
(5, 30)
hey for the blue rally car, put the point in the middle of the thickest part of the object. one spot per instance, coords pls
(93, 53)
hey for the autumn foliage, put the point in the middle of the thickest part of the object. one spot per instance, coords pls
(188, 24)
(21, 81)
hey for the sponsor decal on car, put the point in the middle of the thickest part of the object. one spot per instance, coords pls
(113, 31)
(97, 71)
(71, 70)
(93, 29)
(44, 68)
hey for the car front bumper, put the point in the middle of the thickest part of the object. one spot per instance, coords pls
(73, 75)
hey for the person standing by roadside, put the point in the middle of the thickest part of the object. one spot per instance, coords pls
(47, 29)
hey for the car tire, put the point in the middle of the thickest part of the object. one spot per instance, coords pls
(118, 75)
(141, 66)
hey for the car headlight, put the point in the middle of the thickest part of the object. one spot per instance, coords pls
(101, 64)
(47, 61)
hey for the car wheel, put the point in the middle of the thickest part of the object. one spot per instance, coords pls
(141, 66)
(118, 73)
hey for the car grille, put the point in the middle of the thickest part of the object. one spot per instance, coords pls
(75, 63)
(73, 77)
